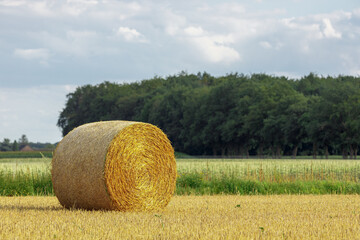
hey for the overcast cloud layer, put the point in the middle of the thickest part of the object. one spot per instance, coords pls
(49, 47)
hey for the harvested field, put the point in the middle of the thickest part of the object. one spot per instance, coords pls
(189, 217)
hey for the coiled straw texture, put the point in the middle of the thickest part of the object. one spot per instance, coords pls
(115, 165)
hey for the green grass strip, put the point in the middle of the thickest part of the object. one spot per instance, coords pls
(194, 184)
(30, 183)
(19, 154)
(25, 183)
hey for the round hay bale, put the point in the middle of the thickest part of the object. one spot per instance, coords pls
(115, 165)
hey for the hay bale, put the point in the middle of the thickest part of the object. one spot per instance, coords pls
(115, 165)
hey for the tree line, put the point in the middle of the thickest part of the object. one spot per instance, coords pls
(7, 145)
(232, 115)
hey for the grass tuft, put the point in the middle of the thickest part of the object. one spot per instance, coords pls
(25, 183)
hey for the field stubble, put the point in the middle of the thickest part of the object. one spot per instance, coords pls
(189, 217)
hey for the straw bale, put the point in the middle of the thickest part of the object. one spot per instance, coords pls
(115, 165)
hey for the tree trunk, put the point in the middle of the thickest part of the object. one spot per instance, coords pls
(223, 151)
(294, 152)
(326, 152)
(214, 151)
(351, 152)
(245, 150)
(314, 150)
(344, 153)
(238, 150)
(232, 150)
(273, 154)
(355, 152)
(278, 152)
(261, 150)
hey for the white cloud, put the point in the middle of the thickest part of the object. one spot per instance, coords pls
(173, 22)
(82, 43)
(317, 27)
(276, 45)
(40, 54)
(42, 8)
(194, 31)
(312, 34)
(306, 28)
(130, 34)
(193, 35)
(351, 62)
(29, 54)
(356, 12)
(265, 44)
(231, 8)
(212, 47)
(329, 30)
(214, 52)
(12, 3)
(69, 88)
(77, 7)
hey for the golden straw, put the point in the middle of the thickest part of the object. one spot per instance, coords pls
(117, 165)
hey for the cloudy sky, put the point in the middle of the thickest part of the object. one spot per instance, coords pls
(49, 47)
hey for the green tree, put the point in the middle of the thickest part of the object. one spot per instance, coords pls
(233, 114)
(239, 91)
(77, 110)
(5, 145)
(344, 95)
(194, 120)
(310, 85)
(166, 111)
(15, 146)
(263, 120)
(106, 101)
(296, 120)
(280, 96)
(23, 141)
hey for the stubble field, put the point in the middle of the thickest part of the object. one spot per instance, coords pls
(215, 199)
(189, 217)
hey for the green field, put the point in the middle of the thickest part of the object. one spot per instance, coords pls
(19, 154)
(31, 176)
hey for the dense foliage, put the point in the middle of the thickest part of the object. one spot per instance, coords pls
(232, 115)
